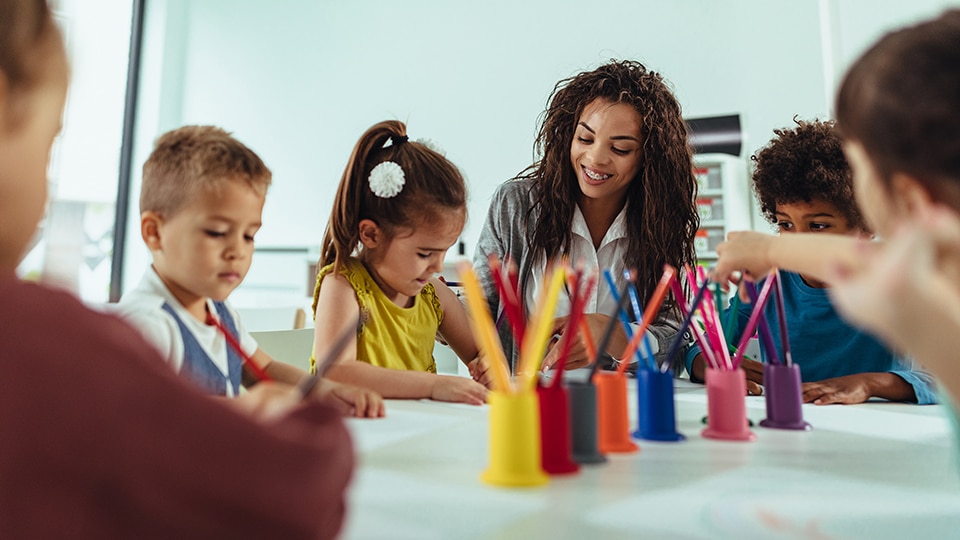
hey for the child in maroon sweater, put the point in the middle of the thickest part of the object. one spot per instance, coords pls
(98, 439)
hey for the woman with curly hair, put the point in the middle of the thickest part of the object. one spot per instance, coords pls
(613, 187)
(804, 185)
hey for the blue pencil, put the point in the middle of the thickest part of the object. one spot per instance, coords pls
(675, 346)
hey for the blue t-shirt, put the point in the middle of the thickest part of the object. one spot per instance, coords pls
(823, 344)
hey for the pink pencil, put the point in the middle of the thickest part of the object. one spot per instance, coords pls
(755, 316)
(684, 310)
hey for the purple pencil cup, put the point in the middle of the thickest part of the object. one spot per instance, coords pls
(656, 415)
(781, 386)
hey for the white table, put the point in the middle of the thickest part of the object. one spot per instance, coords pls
(876, 470)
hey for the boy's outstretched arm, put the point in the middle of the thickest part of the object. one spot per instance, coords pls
(811, 254)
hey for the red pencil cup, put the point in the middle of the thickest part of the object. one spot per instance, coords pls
(612, 416)
(784, 396)
(555, 441)
(727, 406)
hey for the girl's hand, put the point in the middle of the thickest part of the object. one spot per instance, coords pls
(889, 290)
(267, 400)
(481, 371)
(350, 400)
(458, 389)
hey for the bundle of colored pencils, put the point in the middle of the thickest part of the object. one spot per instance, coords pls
(532, 337)
(715, 336)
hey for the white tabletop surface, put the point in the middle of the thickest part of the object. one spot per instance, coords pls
(876, 470)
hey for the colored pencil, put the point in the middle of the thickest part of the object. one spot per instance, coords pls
(675, 345)
(510, 301)
(766, 338)
(638, 315)
(611, 326)
(258, 371)
(535, 345)
(307, 383)
(579, 293)
(622, 307)
(483, 328)
(756, 314)
(649, 314)
(782, 318)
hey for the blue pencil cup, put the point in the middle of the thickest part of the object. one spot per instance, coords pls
(656, 415)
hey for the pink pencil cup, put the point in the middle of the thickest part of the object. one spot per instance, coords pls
(784, 396)
(727, 406)
(614, 434)
(555, 440)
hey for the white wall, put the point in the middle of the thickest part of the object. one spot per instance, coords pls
(299, 81)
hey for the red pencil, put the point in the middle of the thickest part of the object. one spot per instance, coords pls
(257, 370)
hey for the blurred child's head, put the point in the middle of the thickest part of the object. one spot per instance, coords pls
(201, 204)
(33, 85)
(397, 198)
(899, 113)
(803, 183)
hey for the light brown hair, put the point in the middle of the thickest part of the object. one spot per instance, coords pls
(190, 159)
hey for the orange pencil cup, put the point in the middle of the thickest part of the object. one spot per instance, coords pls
(514, 440)
(612, 416)
(727, 406)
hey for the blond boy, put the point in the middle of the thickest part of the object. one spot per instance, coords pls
(201, 204)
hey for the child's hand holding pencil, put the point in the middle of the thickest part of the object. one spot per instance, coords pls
(350, 400)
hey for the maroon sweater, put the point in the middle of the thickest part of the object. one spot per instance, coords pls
(99, 439)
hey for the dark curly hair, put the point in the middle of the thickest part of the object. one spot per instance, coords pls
(662, 220)
(805, 163)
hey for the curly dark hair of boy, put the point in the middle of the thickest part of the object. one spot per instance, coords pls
(432, 187)
(662, 218)
(804, 164)
(900, 102)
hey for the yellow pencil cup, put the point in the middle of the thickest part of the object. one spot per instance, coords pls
(515, 459)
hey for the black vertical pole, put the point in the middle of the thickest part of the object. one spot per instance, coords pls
(126, 150)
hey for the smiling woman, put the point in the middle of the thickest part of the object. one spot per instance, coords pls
(614, 188)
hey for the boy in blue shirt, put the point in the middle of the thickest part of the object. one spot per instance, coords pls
(803, 184)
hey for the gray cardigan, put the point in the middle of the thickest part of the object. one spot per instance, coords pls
(507, 232)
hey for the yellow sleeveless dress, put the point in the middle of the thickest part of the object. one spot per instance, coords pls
(391, 336)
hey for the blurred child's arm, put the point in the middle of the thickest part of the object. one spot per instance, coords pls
(266, 401)
(349, 400)
(858, 388)
(811, 254)
(905, 293)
